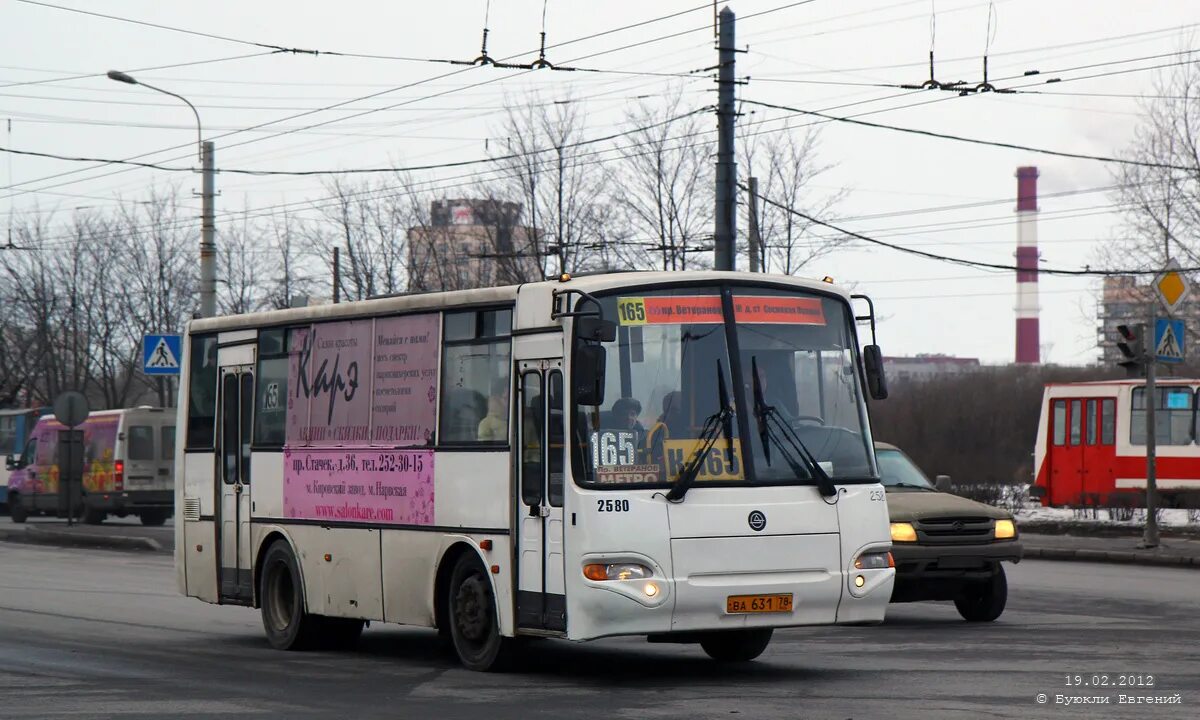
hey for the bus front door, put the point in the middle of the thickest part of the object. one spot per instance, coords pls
(541, 588)
(237, 402)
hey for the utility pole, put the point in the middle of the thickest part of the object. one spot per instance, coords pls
(1150, 535)
(726, 186)
(755, 238)
(208, 229)
(337, 275)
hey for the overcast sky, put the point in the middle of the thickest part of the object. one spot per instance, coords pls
(441, 113)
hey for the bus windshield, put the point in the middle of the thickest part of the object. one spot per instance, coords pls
(670, 371)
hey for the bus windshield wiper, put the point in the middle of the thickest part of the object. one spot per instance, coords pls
(764, 414)
(720, 422)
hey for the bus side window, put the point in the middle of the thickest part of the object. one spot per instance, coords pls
(168, 442)
(476, 358)
(1060, 422)
(202, 393)
(1108, 422)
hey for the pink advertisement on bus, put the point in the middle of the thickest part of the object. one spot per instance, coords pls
(364, 383)
(382, 487)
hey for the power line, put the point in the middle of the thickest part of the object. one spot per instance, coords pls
(1085, 272)
(155, 67)
(976, 141)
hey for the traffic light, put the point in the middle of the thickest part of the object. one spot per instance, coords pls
(1132, 345)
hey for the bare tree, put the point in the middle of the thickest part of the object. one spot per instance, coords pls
(786, 163)
(663, 185)
(543, 166)
(368, 220)
(1160, 199)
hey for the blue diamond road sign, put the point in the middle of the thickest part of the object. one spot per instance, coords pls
(160, 354)
(1168, 340)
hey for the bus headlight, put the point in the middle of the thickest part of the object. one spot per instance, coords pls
(903, 532)
(874, 561)
(1005, 529)
(616, 571)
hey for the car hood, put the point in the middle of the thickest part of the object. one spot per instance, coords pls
(909, 505)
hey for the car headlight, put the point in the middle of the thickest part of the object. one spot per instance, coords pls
(1005, 529)
(903, 532)
(616, 571)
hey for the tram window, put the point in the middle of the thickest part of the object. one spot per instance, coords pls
(1076, 420)
(1091, 422)
(1108, 422)
(1060, 422)
(1172, 416)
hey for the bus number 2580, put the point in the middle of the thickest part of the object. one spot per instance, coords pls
(612, 506)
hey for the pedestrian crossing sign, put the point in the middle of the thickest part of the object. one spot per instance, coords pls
(160, 354)
(1168, 340)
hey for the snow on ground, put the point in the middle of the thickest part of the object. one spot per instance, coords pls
(1168, 517)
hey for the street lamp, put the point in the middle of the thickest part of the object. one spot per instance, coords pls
(208, 248)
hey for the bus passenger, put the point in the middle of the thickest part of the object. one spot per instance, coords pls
(494, 426)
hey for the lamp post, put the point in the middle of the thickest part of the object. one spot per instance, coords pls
(208, 249)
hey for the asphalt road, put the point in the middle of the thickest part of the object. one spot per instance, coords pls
(87, 633)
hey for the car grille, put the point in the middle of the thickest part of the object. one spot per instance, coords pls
(954, 530)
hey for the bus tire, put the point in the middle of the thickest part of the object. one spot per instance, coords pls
(16, 510)
(153, 518)
(984, 602)
(94, 516)
(736, 645)
(473, 620)
(287, 624)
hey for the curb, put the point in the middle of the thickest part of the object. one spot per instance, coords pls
(39, 536)
(1112, 556)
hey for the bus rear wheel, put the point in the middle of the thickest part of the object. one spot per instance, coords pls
(474, 623)
(94, 516)
(736, 645)
(287, 624)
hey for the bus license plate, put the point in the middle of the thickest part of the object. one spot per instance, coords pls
(738, 604)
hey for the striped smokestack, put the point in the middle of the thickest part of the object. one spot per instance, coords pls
(1028, 340)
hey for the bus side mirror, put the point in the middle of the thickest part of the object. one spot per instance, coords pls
(595, 329)
(873, 364)
(587, 373)
(942, 483)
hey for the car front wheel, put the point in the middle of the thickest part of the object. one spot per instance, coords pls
(985, 601)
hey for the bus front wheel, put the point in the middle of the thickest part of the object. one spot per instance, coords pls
(474, 623)
(288, 625)
(736, 645)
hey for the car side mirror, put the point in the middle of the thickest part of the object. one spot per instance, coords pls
(942, 483)
(10, 463)
(873, 365)
(587, 373)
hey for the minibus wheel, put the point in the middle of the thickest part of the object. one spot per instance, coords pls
(474, 623)
(94, 516)
(153, 518)
(287, 624)
(985, 601)
(16, 510)
(736, 645)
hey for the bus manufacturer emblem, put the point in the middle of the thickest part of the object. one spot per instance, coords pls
(757, 520)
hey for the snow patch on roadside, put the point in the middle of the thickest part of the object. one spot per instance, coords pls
(1169, 517)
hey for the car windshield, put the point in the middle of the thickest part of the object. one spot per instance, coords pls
(664, 374)
(896, 470)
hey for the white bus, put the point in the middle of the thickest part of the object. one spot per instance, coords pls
(684, 456)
